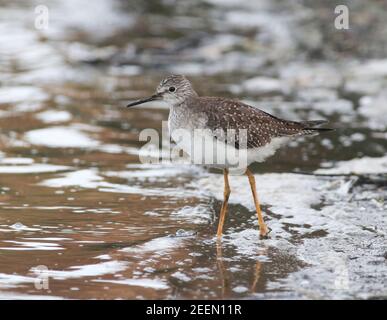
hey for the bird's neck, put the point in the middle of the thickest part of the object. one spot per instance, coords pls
(179, 107)
(179, 115)
(181, 104)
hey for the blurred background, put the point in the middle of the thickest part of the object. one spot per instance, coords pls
(77, 206)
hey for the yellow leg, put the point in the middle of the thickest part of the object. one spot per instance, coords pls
(223, 210)
(263, 231)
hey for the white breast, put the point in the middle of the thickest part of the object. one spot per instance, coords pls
(190, 135)
(204, 149)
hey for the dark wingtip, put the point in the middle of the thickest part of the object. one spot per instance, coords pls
(324, 129)
(319, 129)
(313, 125)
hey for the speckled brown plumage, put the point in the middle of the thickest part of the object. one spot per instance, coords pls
(261, 127)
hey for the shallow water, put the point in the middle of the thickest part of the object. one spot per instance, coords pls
(78, 208)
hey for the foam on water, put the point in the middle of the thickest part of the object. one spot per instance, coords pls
(16, 161)
(22, 94)
(364, 165)
(91, 179)
(33, 168)
(87, 178)
(50, 116)
(342, 224)
(144, 283)
(200, 214)
(54, 137)
(73, 15)
(91, 270)
(31, 245)
(157, 245)
(13, 280)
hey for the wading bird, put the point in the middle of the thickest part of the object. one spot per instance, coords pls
(262, 134)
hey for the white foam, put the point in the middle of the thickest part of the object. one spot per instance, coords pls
(90, 270)
(181, 276)
(370, 69)
(301, 205)
(365, 165)
(373, 108)
(104, 257)
(60, 137)
(51, 116)
(87, 178)
(33, 168)
(240, 289)
(75, 15)
(158, 245)
(279, 190)
(21, 94)
(21, 227)
(49, 239)
(199, 214)
(12, 280)
(23, 296)
(145, 283)
(16, 160)
(31, 245)
(154, 171)
(259, 85)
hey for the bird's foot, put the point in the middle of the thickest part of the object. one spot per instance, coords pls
(264, 232)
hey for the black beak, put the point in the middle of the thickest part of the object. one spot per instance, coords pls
(156, 96)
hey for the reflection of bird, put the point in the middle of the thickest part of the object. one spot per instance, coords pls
(237, 133)
(225, 280)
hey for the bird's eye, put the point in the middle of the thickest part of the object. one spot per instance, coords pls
(172, 89)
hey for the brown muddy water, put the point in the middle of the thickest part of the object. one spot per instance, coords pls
(82, 218)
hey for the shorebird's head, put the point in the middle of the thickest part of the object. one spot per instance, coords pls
(173, 89)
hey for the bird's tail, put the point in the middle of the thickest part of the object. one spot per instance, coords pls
(312, 126)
